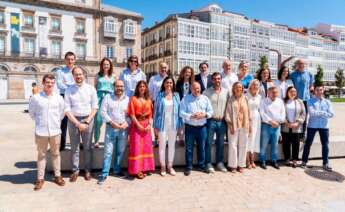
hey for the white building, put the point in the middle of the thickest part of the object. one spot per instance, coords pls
(211, 34)
(35, 35)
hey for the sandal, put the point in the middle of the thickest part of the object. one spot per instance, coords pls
(140, 175)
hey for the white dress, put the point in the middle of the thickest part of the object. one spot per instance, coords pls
(254, 139)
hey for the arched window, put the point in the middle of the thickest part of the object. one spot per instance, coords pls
(4, 68)
(30, 69)
(54, 70)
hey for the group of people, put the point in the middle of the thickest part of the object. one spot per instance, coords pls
(247, 112)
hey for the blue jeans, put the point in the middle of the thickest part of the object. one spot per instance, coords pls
(324, 135)
(269, 135)
(115, 141)
(198, 134)
(218, 127)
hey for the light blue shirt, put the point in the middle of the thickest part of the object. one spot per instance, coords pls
(302, 82)
(64, 79)
(191, 104)
(320, 110)
(131, 80)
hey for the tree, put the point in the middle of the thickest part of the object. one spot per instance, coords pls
(339, 80)
(263, 64)
(319, 76)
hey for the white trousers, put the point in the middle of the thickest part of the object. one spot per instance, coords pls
(237, 149)
(163, 137)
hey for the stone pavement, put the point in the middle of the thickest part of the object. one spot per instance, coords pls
(255, 190)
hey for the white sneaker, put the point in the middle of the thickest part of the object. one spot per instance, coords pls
(172, 172)
(163, 173)
(221, 167)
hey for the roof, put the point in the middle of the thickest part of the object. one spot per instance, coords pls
(113, 9)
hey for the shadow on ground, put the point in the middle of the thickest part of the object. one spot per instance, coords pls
(318, 173)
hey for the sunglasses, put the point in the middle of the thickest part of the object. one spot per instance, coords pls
(133, 61)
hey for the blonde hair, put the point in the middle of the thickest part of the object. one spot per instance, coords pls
(253, 82)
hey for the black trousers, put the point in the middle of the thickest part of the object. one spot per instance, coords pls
(291, 141)
(63, 128)
(305, 121)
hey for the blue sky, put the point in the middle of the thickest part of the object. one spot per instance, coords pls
(296, 13)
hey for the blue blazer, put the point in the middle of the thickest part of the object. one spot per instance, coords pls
(159, 112)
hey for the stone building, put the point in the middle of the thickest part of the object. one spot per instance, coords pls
(35, 34)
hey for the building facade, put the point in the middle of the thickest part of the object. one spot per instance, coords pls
(213, 35)
(34, 36)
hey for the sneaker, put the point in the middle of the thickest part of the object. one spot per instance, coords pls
(209, 168)
(303, 165)
(221, 167)
(101, 180)
(327, 167)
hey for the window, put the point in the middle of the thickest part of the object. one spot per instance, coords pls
(80, 26)
(28, 20)
(129, 27)
(129, 52)
(109, 25)
(2, 17)
(55, 24)
(2, 45)
(56, 48)
(81, 50)
(109, 52)
(29, 46)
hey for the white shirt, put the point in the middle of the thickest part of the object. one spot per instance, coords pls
(155, 85)
(114, 108)
(80, 100)
(47, 111)
(204, 79)
(228, 81)
(291, 110)
(272, 110)
(131, 79)
(283, 86)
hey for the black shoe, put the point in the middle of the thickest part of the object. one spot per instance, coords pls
(81, 146)
(187, 172)
(120, 174)
(275, 165)
(327, 167)
(263, 165)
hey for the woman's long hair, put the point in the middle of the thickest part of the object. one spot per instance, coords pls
(136, 92)
(183, 71)
(166, 79)
(101, 70)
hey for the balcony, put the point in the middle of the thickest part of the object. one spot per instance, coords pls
(167, 53)
(109, 34)
(153, 41)
(129, 36)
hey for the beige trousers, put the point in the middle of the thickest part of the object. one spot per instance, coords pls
(42, 147)
(237, 148)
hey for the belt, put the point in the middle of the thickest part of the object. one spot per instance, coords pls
(217, 119)
(188, 125)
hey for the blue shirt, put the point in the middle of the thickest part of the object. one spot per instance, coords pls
(246, 80)
(64, 79)
(191, 104)
(302, 82)
(131, 80)
(320, 110)
(159, 112)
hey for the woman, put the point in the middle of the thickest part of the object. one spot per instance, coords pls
(184, 81)
(237, 116)
(167, 121)
(295, 116)
(140, 109)
(254, 100)
(183, 87)
(132, 75)
(243, 75)
(104, 85)
(283, 81)
(264, 76)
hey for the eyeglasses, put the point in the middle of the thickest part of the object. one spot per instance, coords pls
(133, 61)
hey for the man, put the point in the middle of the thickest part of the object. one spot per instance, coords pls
(47, 109)
(272, 111)
(228, 78)
(218, 97)
(65, 80)
(114, 113)
(203, 78)
(81, 105)
(132, 75)
(303, 81)
(195, 109)
(156, 80)
(320, 110)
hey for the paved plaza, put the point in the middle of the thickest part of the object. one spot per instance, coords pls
(255, 190)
